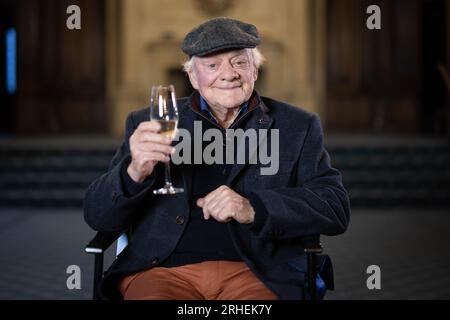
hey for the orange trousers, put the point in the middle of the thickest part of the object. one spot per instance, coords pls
(209, 280)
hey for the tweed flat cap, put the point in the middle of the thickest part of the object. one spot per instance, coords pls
(220, 34)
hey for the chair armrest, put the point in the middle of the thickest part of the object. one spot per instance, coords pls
(101, 242)
(312, 244)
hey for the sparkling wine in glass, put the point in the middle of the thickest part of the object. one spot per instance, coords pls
(163, 109)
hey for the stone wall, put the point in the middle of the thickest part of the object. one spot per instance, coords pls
(144, 37)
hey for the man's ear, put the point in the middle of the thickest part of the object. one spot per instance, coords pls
(193, 79)
(256, 73)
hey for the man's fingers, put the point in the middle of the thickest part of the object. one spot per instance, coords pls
(211, 206)
(155, 147)
(221, 207)
(200, 202)
(206, 213)
(219, 204)
(152, 156)
(154, 137)
(152, 126)
(213, 195)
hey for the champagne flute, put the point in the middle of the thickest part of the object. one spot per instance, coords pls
(163, 109)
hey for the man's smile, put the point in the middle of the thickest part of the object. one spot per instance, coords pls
(230, 88)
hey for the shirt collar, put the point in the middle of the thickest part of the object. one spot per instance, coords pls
(204, 108)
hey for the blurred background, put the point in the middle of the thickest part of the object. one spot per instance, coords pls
(383, 97)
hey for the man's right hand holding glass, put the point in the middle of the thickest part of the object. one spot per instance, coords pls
(148, 147)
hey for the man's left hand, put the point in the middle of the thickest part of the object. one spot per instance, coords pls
(223, 204)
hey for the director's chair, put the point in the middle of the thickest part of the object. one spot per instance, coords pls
(319, 271)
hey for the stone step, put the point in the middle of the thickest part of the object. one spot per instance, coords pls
(376, 174)
(42, 198)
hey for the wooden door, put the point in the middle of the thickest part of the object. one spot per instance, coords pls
(373, 77)
(61, 76)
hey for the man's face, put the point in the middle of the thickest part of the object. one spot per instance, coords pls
(225, 80)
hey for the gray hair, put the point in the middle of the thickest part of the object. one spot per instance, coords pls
(258, 60)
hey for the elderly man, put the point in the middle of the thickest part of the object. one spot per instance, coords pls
(234, 233)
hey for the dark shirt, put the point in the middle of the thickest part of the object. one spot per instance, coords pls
(206, 240)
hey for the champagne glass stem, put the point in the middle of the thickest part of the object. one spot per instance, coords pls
(167, 177)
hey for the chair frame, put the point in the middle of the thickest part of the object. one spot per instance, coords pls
(103, 240)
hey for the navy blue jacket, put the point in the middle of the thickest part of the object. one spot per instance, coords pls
(306, 197)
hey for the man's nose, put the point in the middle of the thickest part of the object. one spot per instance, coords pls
(228, 73)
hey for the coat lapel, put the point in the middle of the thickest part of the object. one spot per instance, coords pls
(259, 119)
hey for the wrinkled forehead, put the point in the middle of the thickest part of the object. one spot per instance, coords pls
(226, 55)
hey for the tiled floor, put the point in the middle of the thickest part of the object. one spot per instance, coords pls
(410, 247)
(37, 247)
